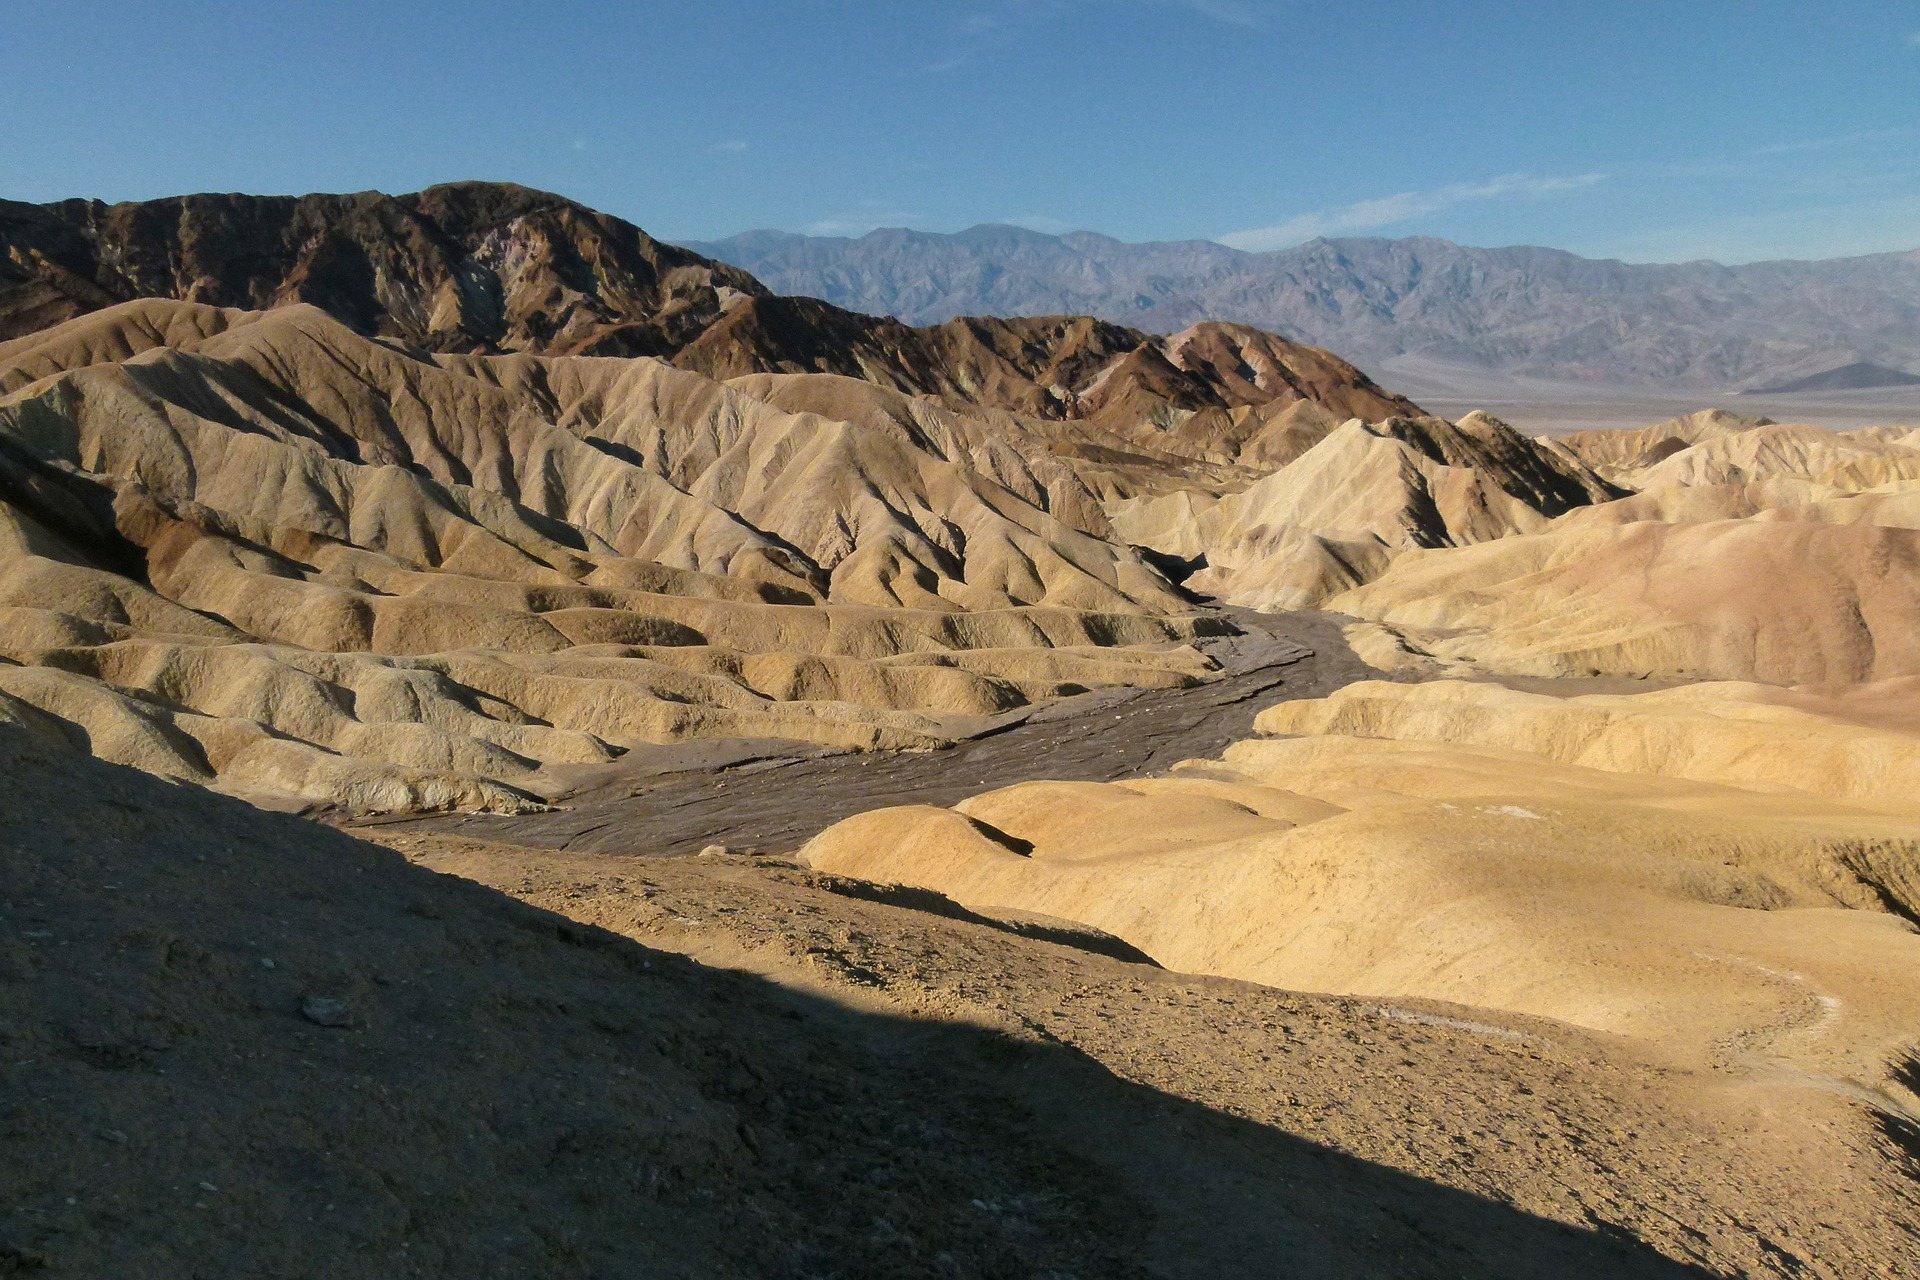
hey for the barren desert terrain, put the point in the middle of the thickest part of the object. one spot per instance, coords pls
(525, 752)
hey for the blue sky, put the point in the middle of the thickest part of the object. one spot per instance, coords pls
(1639, 129)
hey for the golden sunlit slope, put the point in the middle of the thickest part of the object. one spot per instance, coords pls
(1751, 551)
(1725, 878)
(1789, 602)
(1615, 452)
(1339, 513)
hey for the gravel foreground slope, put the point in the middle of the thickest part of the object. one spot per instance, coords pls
(236, 1044)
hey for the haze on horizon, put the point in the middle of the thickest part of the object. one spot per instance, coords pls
(1652, 134)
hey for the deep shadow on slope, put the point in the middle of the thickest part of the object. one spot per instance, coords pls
(514, 1093)
(774, 796)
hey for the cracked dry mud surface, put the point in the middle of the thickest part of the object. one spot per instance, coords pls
(771, 796)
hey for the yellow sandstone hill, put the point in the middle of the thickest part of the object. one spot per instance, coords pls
(1750, 551)
(1723, 874)
(1788, 602)
(1337, 515)
(1617, 452)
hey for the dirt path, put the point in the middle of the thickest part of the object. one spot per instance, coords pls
(772, 796)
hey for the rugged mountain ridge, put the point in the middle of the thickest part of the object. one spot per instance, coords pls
(1518, 310)
(461, 267)
(492, 268)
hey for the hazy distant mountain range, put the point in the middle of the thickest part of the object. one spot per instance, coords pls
(1518, 311)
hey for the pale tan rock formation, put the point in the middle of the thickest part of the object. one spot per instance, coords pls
(1337, 515)
(1786, 602)
(1750, 551)
(1617, 452)
(279, 557)
(1724, 874)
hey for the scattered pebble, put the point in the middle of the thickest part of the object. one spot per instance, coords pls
(326, 1011)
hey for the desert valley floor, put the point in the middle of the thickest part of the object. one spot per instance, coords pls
(523, 752)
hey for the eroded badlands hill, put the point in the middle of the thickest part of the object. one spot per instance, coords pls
(259, 548)
(1709, 547)
(1724, 875)
(1593, 859)
(423, 501)
(1747, 550)
(1340, 512)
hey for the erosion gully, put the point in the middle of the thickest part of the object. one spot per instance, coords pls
(771, 796)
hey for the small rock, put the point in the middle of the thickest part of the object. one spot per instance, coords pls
(713, 851)
(18, 1258)
(266, 962)
(326, 1011)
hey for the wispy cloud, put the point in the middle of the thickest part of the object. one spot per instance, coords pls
(1231, 12)
(988, 25)
(1754, 160)
(1833, 142)
(1385, 211)
(731, 147)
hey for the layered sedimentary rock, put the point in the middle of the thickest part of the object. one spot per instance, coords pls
(260, 548)
(1337, 514)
